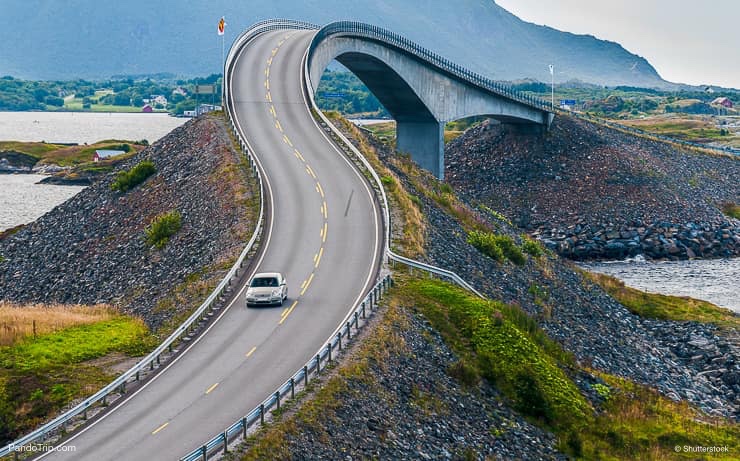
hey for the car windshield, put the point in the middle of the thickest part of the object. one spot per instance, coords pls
(265, 282)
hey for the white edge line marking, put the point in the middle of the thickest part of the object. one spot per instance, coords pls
(202, 335)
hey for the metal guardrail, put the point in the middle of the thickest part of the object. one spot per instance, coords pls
(358, 29)
(220, 443)
(188, 327)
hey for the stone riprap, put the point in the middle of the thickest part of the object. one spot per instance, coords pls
(592, 192)
(683, 360)
(92, 249)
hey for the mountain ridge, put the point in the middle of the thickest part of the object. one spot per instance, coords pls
(84, 39)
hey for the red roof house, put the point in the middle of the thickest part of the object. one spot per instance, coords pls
(723, 102)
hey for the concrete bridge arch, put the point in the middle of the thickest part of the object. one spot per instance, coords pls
(421, 90)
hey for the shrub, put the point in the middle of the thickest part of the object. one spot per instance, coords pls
(162, 228)
(497, 247)
(731, 209)
(127, 180)
(532, 247)
(485, 243)
(388, 182)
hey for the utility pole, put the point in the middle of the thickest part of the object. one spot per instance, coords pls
(552, 87)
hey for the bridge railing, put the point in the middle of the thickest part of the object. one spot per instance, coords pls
(359, 29)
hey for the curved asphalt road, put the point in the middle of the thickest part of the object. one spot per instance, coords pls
(325, 237)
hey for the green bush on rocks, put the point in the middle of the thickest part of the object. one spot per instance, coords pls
(162, 228)
(128, 179)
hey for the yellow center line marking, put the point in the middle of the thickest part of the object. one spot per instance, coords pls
(278, 125)
(272, 111)
(267, 72)
(211, 388)
(287, 141)
(268, 96)
(269, 62)
(286, 314)
(308, 282)
(251, 351)
(298, 154)
(326, 210)
(326, 229)
(318, 260)
(303, 284)
(315, 257)
(154, 432)
(267, 84)
(274, 51)
(321, 233)
(310, 171)
(321, 190)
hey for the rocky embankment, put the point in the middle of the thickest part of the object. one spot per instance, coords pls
(92, 249)
(683, 360)
(591, 192)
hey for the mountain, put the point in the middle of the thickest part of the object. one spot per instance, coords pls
(48, 39)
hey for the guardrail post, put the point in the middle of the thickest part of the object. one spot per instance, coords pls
(292, 388)
(204, 452)
(277, 398)
(363, 310)
(137, 375)
(105, 400)
(328, 348)
(123, 387)
(244, 427)
(305, 375)
(357, 321)
(151, 365)
(158, 362)
(349, 331)
(226, 442)
(262, 414)
(318, 363)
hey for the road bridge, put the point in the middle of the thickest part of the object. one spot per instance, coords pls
(421, 90)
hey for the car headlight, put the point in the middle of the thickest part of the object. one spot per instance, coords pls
(275, 293)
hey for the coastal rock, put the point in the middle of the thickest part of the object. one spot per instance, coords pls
(617, 187)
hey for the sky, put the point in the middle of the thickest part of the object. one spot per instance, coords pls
(686, 41)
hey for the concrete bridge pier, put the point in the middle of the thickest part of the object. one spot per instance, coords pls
(424, 140)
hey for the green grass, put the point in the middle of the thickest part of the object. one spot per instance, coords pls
(162, 228)
(76, 344)
(505, 346)
(128, 179)
(507, 350)
(664, 307)
(731, 209)
(39, 377)
(498, 247)
(532, 247)
(34, 149)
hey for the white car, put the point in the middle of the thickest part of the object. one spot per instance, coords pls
(267, 288)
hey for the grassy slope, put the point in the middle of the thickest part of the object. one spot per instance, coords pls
(39, 377)
(663, 307)
(66, 155)
(500, 343)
